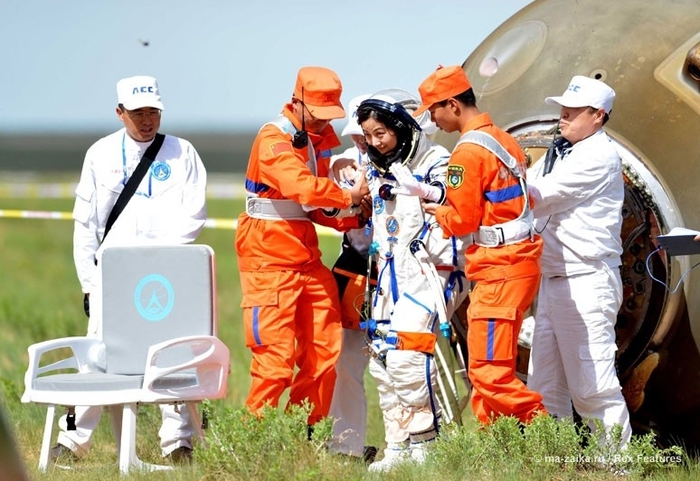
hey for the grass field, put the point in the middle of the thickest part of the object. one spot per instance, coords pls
(40, 299)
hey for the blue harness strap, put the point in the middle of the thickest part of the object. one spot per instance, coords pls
(431, 394)
(392, 279)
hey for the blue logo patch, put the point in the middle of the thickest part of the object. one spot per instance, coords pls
(160, 170)
(378, 204)
(392, 225)
(154, 297)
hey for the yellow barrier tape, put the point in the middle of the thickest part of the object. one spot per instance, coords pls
(215, 223)
(35, 214)
(66, 190)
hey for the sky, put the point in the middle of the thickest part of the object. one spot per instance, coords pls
(221, 65)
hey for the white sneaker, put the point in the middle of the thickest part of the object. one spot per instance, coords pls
(392, 458)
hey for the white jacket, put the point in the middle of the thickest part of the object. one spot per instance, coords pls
(397, 222)
(578, 207)
(169, 207)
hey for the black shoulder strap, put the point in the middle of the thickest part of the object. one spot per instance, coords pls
(555, 149)
(134, 181)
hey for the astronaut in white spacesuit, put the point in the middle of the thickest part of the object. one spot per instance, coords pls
(420, 280)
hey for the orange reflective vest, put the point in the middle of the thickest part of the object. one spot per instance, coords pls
(481, 191)
(276, 170)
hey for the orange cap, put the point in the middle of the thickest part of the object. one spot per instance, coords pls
(321, 92)
(444, 83)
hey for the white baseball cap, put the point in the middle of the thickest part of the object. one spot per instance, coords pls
(353, 128)
(138, 92)
(585, 92)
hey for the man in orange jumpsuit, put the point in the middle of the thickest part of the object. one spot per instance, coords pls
(290, 300)
(487, 196)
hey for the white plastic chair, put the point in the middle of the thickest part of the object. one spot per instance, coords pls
(158, 344)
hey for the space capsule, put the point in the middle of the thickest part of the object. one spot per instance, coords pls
(649, 52)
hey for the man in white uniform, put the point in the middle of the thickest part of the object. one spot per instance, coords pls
(419, 274)
(349, 405)
(168, 207)
(578, 191)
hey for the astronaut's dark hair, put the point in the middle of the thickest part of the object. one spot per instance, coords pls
(365, 112)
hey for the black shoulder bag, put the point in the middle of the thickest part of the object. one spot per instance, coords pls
(128, 192)
(132, 184)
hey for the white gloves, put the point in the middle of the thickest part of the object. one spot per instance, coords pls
(409, 185)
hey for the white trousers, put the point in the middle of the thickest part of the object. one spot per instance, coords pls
(406, 382)
(349, 405)
(573, 348)
(176, 431)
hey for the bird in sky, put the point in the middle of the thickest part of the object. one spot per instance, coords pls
(145, 43)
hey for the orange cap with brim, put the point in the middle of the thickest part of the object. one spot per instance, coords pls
(321, 92)
(444, 83)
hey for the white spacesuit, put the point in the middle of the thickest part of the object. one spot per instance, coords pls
(420, 276)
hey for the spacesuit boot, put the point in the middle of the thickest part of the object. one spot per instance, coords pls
(418, 452)
(419, 444)
(394, 454)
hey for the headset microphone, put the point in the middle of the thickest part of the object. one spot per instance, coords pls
(301, 137)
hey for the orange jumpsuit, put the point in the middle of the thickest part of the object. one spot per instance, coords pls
(481, 191)
(290, 303)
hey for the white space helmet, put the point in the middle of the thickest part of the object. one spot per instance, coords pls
(391, 112)
(410, 102)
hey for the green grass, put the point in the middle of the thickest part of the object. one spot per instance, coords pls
(40, 299)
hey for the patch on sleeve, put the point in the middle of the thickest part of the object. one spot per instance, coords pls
(455, 176)
(279, 147)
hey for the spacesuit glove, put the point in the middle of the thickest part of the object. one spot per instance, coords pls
(409, 185)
